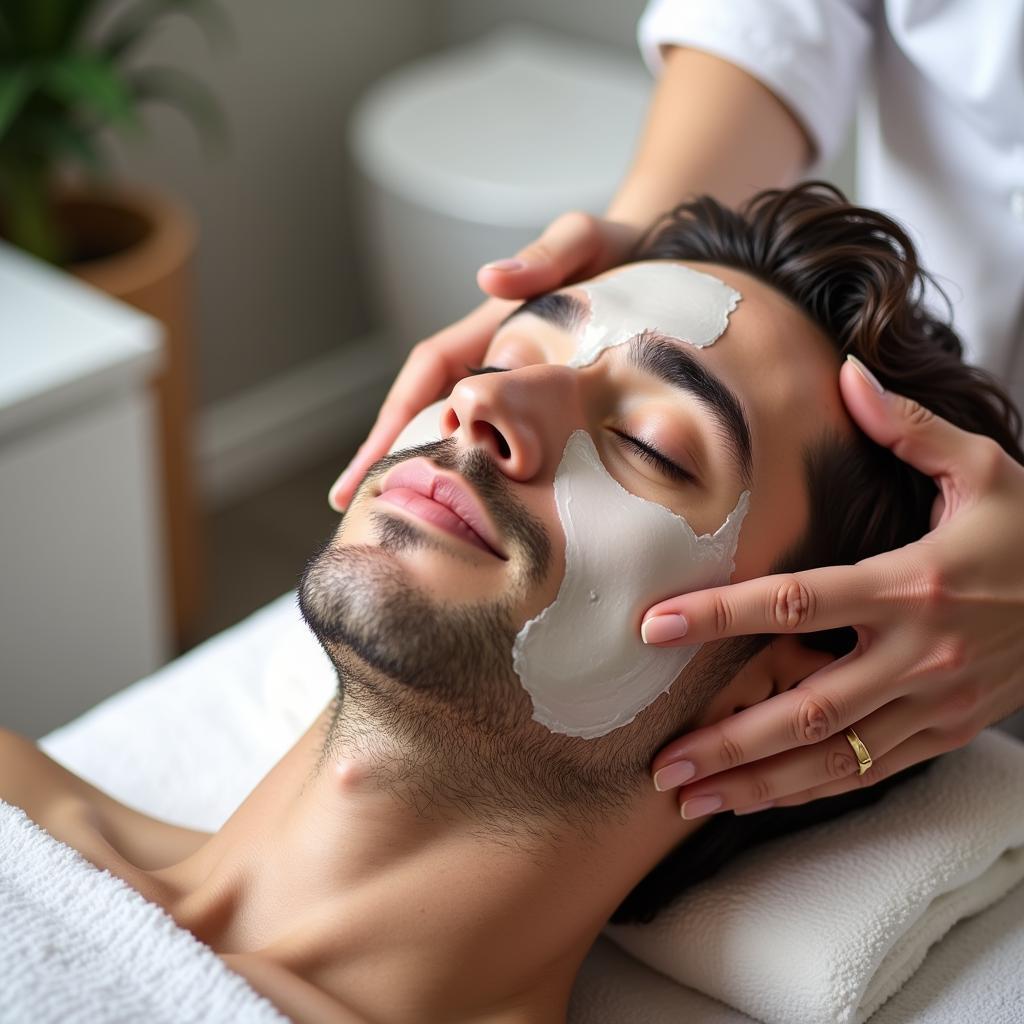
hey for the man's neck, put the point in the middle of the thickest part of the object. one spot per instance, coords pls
(402, 912)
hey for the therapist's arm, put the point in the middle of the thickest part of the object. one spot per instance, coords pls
(711, 129)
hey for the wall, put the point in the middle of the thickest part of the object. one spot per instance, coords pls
(604, 21)
(277, 283)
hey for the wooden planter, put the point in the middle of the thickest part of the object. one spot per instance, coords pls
(137, 245)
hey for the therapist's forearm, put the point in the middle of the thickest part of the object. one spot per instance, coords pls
(711, 128)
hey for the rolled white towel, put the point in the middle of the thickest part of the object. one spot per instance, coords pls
(823, 926)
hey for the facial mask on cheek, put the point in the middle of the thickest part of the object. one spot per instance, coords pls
(582, 659)
(423, 427)
(663, 297)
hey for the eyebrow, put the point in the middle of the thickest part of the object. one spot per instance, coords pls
(665, 359)
(557, 308)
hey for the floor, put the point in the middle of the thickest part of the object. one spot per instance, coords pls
(255, 550)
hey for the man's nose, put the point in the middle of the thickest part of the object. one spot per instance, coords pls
(520, 417)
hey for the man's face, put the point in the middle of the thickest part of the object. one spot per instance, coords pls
(423, 595)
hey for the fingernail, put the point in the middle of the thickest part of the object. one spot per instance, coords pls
(700, 806)
(673, 775)
(504, 265)
(333, 495)
(757, 807)
(659, 628)
(865, 373)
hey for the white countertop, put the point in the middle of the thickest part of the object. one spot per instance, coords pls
(64, 344)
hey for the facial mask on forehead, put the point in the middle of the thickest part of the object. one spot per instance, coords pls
(664, 297)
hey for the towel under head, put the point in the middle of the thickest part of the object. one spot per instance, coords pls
(825, 925)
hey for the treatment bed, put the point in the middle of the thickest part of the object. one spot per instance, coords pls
(189, 742)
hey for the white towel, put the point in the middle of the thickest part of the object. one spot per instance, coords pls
(78, 944)
(825, 925)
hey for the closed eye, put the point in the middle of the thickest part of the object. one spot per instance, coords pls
(634, 444)
(653, 456)
(475, 370)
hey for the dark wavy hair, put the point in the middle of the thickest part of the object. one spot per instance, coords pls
(856, 274)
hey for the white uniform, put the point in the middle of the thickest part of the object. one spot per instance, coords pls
(938, 91)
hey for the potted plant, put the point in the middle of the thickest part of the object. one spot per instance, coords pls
(68, 71)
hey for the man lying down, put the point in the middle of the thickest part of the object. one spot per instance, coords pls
(456, 828)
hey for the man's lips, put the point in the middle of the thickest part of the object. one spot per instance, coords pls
(444, 500)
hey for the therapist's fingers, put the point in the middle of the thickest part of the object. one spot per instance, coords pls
(430, 371)
(961, 463)
(794, 602)
(922, 746)
(797, 746)
(573, 247)
(825, 702)
(915, 434)
(895, 741)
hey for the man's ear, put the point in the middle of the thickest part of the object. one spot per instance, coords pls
(780, 666)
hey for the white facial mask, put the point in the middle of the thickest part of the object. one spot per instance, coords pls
(582, 659)
(664, 297)
(423, 427)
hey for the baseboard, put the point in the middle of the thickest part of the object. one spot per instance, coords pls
(252, 440)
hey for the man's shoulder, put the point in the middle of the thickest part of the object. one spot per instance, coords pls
(47, 792)
(292, 994)
(82, 815)
(30, 779)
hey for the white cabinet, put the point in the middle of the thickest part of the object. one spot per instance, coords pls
(83, 605)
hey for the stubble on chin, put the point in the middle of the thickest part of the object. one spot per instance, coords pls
(428, 693)
(359, 599)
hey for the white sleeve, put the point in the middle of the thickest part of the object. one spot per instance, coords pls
(810, 53)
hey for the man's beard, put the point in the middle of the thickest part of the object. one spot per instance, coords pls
(359, 600)
(428, 688)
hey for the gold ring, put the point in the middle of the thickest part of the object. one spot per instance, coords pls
(863, 757)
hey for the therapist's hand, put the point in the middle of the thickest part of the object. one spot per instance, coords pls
(574, 247)
(940, 625)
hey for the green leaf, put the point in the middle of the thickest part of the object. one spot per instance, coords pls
(7, 49)
(65, 140)
(29, 220)
(86, 80)
(135, 24)
(41, 28)
(15, 85)
(192, 98)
